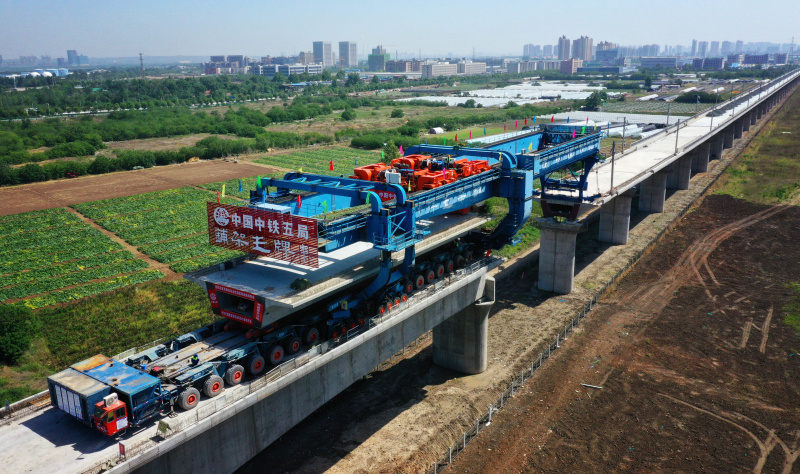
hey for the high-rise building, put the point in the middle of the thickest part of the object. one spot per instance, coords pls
(694, 48)
(377, 60)
(348, 53)
(702, 49)
(527, 50)
(547, 52)
(323, 54)
(72, 57)
(714, 51)
(582, 48)
(739, 46)
(563, 48)
(571, 66)
(605, 46)
(726, 48)
(214, 59)
(305, 57)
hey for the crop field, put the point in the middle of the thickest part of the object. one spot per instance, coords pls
(51, 256)
(318, 160)
(169, 226)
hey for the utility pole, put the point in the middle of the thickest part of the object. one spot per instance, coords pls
(613, 154)
(624, 126)
(677, 129)
(668, 110)
(141, 65)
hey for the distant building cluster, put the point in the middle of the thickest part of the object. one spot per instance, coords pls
(607, 57)
(462, 67)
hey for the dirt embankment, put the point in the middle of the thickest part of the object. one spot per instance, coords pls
(698, 371)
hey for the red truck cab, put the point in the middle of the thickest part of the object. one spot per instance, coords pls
(110, 415)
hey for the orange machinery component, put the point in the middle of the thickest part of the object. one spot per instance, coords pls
(370, 172)
(466, 168)
(434, 179)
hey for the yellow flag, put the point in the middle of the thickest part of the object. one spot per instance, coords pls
(301, 170)
(223, 190)
(530, 147)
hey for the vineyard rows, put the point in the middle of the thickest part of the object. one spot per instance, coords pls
(46, 251)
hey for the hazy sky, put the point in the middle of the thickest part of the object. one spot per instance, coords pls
(113, 28)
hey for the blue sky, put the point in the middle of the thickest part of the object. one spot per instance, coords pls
(179, 27)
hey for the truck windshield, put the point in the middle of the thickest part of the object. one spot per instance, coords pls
(99, 412)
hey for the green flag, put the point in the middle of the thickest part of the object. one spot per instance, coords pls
(382, 157)
(583, 131)
(325, 206)
(445, 142)
(367, 198)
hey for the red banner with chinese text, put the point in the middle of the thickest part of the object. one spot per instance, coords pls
(271, 234)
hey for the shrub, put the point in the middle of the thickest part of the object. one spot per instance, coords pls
(18, 327)
(397, 113)
(348, 114)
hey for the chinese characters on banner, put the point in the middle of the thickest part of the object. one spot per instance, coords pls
(385, 195)
(279, 236)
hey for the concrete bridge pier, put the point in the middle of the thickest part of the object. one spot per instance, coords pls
(753, 117)
(701, 156)
(746, 123)
(727, 137)
(738, 129)
(461, 342)
(653, 192)
(615, 220)
(717, 148)
(759, 112)
(557, 255)
(681, 173)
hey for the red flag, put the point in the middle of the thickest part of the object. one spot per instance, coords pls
(552, 119)
(299, 202)
(573, 133)
(456, 139)
(587, 120)
(331, 165)
(516, 124)
(526, 121)
(217, 196)
(470, 134)
(504, 127)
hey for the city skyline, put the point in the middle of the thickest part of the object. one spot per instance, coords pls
(117, 29)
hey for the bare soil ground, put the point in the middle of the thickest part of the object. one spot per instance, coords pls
(159, 144)
(35, 196)
(697, 368)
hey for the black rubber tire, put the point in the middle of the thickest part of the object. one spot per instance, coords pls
(403, 297)
(189, 398)
(408, 285)
(256, 365)
(439, 270)
(275, 354)
(213, 386)
(293, 345)
(430, 276)
(382, 309)
(460, 261)
(310, 336)
(234, 375)
(419, 282)
(449, 266)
